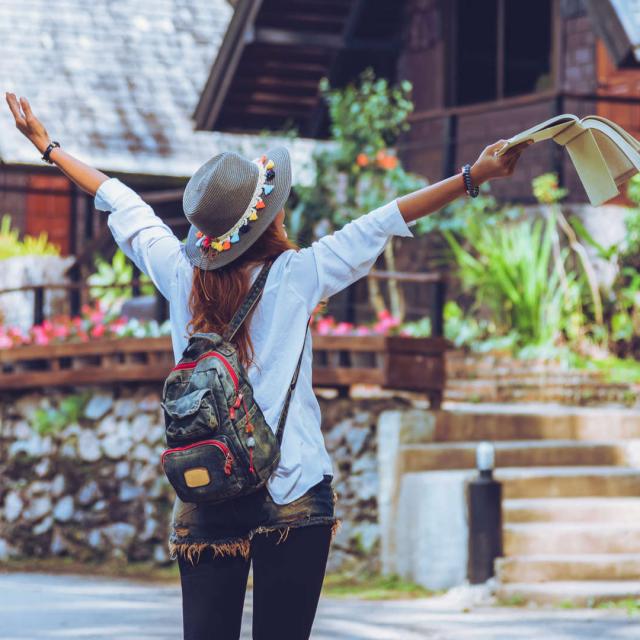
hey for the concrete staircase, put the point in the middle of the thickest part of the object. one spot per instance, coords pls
(571, 495)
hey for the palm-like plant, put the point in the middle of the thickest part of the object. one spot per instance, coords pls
(112, 281)
(511, 271)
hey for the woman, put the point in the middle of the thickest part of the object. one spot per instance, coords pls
(235, 207)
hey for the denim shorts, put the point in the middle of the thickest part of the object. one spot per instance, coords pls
(228, 527)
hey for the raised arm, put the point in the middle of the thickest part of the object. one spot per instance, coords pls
(339, 259)
(142, 235)
(487, 167)
(86, 177)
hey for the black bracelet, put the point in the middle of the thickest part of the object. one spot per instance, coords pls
(48, 150)
(472, 190)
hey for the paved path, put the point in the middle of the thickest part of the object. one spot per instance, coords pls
(49, 607)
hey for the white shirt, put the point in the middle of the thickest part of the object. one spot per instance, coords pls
(298, 280)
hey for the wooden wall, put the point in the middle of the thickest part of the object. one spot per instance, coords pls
(582, 70)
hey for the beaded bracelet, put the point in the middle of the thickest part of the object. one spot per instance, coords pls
(472, 190)
(52, 145)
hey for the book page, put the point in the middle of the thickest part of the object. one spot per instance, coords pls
(541, 131)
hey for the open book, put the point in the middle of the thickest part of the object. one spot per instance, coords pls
(603, 153)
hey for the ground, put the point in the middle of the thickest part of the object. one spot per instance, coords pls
(36, 606)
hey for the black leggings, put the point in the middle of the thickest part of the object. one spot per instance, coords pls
(287, 579)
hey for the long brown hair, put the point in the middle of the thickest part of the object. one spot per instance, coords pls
(216, 295)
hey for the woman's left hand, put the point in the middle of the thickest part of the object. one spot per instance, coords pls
(489, 165)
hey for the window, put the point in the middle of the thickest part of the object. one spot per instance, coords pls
(500, 48)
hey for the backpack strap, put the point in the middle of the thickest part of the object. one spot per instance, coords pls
(292, 386)
(249, 302)
(241, 315)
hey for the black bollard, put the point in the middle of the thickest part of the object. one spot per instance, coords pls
(484, 512)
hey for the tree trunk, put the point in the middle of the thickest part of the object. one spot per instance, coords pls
(396, 299)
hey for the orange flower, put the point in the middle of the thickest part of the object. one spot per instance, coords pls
(362, 160)
(389, 162)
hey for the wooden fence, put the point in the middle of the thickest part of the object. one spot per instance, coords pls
(393, 362)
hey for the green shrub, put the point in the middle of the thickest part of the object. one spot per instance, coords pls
(54, 419)
(11, 245)
(510, 271)
(117, 272)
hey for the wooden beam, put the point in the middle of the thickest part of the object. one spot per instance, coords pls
(348, 343)
(500, 46)
(255, 98)
(235, 109)
(346, 376)
(407, 276)
(83, 349)
(283, 37)
(225, 65)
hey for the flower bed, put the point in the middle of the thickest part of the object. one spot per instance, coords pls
(96, 348)
(94, 323)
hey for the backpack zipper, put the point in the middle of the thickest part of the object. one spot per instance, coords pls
(211, 354)
(216, 443)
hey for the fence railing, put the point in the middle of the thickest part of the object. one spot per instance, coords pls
(339, 362)
(78, 293)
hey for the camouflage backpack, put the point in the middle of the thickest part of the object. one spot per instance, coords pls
(220, 445)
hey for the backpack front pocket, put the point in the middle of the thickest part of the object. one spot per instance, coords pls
(190, 417)
(205, 471)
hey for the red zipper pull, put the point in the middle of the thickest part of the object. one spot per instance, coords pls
(234, 406)
(227, 465)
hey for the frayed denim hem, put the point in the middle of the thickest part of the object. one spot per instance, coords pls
(192, 549)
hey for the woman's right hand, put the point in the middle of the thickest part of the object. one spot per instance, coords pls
(27, 123)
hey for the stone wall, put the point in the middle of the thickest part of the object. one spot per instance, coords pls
(80, 475)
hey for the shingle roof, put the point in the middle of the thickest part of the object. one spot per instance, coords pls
(116, 81)
(617, 22)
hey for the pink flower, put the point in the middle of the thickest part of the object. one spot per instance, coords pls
(98, 331)
(40, 336)
(343, 328)
(325, 326)
(61, 331)
(96, 317)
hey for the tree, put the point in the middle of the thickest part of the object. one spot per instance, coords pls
(360, 170)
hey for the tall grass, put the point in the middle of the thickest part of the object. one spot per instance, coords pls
(511, 272)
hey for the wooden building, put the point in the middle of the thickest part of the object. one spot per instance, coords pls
(130, 84)
(481, 70)
(117, 87)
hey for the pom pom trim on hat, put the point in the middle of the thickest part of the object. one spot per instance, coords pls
(224, 242)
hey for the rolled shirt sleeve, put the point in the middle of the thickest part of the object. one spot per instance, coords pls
(337, 260)
(141, 234)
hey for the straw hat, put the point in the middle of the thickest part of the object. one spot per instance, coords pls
(230, 201)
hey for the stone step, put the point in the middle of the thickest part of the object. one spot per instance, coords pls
(585, 593)
(528, 388)
(613, 510)
(567, 482)
(570, 538)
(460, 422)
(519, 453)
(553, 567)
